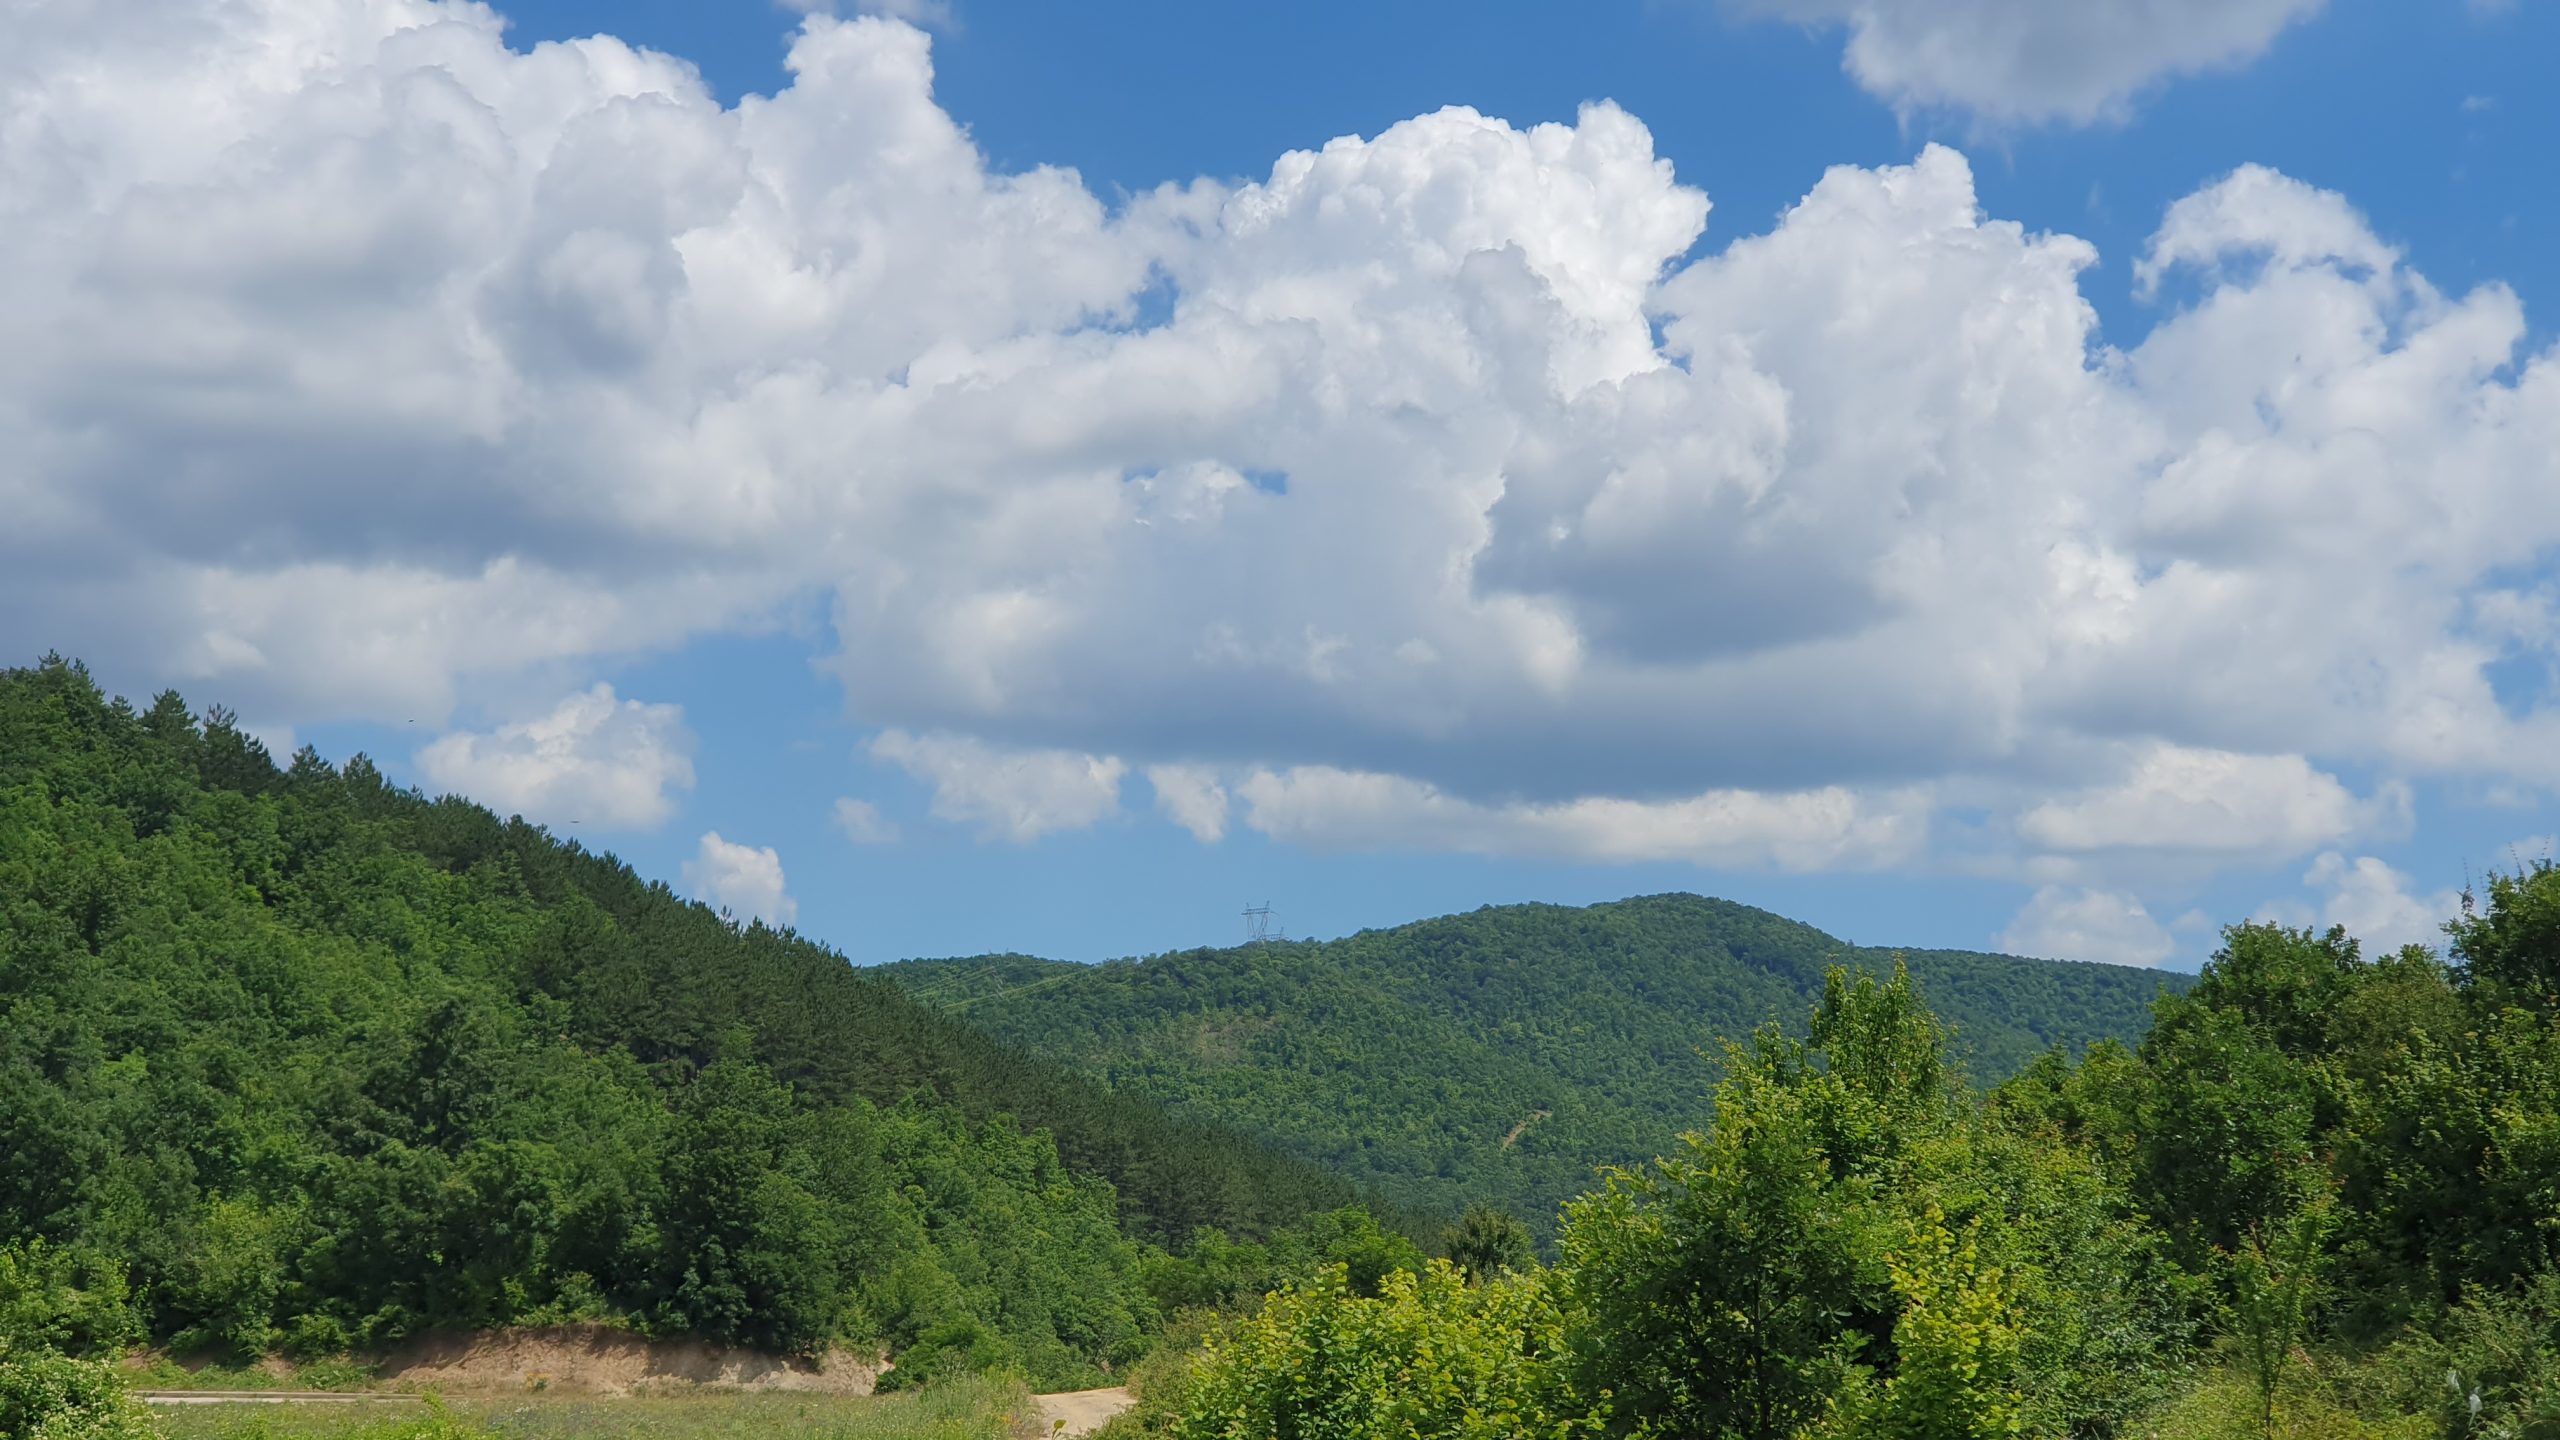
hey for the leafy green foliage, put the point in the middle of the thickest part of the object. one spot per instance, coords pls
(50, 1396)
(1856, 1247)
(1429, 1354)
(2509, 951)
(315, 1062)
(2490, 1367)
(1215, 1272)
(1958, 1348)
(1485, 1243)
(1733, 1286)
(2275, 1282)
(70, 1300)
(1497, 1057)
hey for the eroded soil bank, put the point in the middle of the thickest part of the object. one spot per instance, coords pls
(594, 1360)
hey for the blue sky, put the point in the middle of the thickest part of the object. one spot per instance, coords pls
(2120, 499)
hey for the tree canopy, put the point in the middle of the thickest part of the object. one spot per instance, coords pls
(311, 1061)
(2317, 1199)
(1501, 1056)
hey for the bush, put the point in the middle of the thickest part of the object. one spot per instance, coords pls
(46, 1396)
(1485, 1242)
(1162, 1381)
(2493, 1370)
(1430, 1356)
(961, 1345)
(1956, 1344)
(231, 1276)
(2227, 1406)
(72, 1300)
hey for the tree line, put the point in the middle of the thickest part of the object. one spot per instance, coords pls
(1499, 1056)
(294, 1059)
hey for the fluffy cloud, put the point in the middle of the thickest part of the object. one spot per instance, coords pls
(1811, 830)
(862, 822)
(1191, 797)
(2077, 924)
(2173, 798)
(2027, 60)
(2257, 214)
(387, 363)
(1017, 795)
(594, 761)
(929, 14)
(742, 880)
(2378, 905)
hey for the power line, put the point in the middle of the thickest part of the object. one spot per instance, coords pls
(1259, 928)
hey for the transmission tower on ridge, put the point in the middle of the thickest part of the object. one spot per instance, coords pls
(1258, 928)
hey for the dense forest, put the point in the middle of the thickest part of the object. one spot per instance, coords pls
(1500, 1056)
(298, 1059)
(2319, 1199)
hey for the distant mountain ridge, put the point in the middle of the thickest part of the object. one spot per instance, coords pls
(1502, 1054)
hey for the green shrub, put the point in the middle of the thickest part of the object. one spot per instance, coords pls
(232, 1272)
(1957, 1346)
(2491, 1370)
(961, 1345)
(1485, 1242)
(2227, 1406)
(1430, 1356)
(67, 1299)
(49, 1396)
(1161, 1382)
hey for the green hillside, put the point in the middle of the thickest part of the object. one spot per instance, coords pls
(2315, 1202)
(312, 1061)
(1499, 1055)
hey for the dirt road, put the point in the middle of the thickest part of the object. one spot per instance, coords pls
(1084, 1411)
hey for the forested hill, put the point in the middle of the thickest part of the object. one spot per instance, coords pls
(316, 1061)
(1502, 1054)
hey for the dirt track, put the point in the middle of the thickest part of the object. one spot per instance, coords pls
(1084, 1411)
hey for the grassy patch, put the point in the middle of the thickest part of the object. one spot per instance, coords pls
(164, 1372)
(963, 1409)
(2224, 1406)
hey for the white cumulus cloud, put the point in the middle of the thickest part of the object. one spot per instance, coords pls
(2380, 906)
(745, 881)
(1434, 487)
(1016, 795)
(2032, 60)
(2258, 214)
(1191, 797)
(862, 822)
(2064, 923)
(2174, 798)
(593, 760)
(1811, 830)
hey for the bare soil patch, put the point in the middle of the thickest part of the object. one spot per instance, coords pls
(594, 1360)
(1081, 1412)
